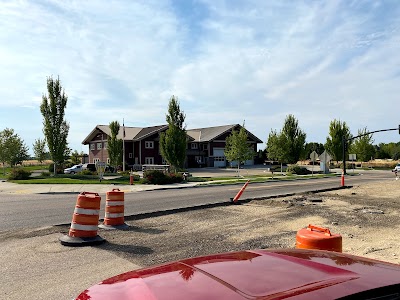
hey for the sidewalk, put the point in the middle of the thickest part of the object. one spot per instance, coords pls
(15, 188)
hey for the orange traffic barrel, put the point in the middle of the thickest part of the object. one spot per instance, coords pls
(84, 225)
(314, 237)
(114, 212)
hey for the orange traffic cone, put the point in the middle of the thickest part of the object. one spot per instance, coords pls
(83, 231)
(114, 212)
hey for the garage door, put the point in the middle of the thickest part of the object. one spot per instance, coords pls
(219, 158)
(247, 163)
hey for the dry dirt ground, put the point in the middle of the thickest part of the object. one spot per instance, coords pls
(36, 266)
(367, 217)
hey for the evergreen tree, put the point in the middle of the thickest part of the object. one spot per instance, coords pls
(237, 148)
(55, 128)
(173, 142)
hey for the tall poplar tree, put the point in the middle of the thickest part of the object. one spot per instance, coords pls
(114, 145)
(294, 140)
(55, 128)
(337, 130)
(173, 142)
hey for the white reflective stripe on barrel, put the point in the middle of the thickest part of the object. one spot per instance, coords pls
(111, 215)
(84, 227)
(114, 203)
(84, 211)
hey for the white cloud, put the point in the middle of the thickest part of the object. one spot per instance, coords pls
(234, 61)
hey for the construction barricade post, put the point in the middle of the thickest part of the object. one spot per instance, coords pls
(342, 179)
(235, 200)
(84, 225)
(114, 211)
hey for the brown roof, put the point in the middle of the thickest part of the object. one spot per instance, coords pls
(212, 133)
(206, 134)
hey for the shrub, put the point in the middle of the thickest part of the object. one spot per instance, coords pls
(88, 172)
(175, 177)
(45, 174)
(155, 177)
(19, 174)
(295, 169)
(158, 177)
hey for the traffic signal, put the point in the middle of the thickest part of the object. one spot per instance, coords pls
(345, 146)
(399, 129)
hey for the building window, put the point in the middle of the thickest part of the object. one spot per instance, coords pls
(96, 160)
(149, 144)
(199, 159)
(108, 161)
(149, 160)
(193, 146)
(205, 146)
(219, 158)
(98, 146)
(105, 145)
(91, 146)
(130, 155)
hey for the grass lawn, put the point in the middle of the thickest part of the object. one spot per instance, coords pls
(93, 179)
(63, 179)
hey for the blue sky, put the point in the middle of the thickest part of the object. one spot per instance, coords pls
(226, 61)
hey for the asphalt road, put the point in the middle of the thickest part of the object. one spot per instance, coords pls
(38, 210)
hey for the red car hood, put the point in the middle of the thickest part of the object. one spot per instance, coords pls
(258, 274)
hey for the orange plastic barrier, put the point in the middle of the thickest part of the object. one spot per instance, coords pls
(114, 212)
(314, 237)
(86, 215)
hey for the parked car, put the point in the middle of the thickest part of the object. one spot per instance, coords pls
(396, 168)
(73, 170)
(90, 167)
(257, 274)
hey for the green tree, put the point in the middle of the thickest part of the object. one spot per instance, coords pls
(39, 149)
(173, 141)
(313, 146)
(114, 145)
(275, 147)
(294, 140)
(12, 148)
(362, 146)
(390, 150)
(237, 148)
(337, 130)
(55, 128)
(75, 157)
